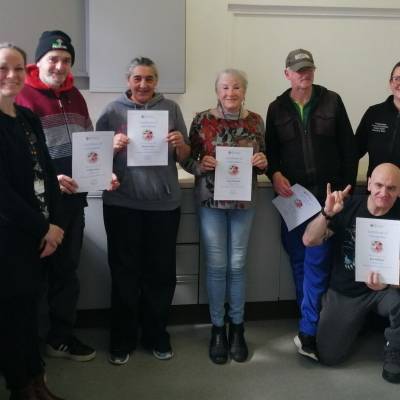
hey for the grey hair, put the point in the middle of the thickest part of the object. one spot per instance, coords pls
(9, 45)
(141, 61)
(240, 75)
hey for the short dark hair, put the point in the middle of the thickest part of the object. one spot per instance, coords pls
(143, 61)
(9, 45)
(396, 66)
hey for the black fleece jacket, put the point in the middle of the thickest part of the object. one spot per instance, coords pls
(379, 134)
(313, 155)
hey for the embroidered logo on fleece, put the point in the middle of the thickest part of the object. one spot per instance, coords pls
(58, 44)
(379, 127)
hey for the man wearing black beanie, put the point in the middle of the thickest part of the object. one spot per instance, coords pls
(50, 92)
(54, 40)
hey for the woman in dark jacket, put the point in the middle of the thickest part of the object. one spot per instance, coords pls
(379, 131)
(28, 196)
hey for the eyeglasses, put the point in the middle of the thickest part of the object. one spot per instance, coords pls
(396, 79)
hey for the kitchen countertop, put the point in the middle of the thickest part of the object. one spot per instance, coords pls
(186, 180)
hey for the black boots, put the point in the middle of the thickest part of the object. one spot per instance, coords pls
(27, 393)
(237, 344)
(218, 350)
(36, 390)
(220, 346)
(41, 389)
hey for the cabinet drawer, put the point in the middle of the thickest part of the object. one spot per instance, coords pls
(187, 202)
(187, 259)
(186, 291)
(188, 229)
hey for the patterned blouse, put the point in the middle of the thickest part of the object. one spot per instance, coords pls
(208, 131)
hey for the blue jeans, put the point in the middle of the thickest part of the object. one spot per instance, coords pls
(311, 268)
(225, 235)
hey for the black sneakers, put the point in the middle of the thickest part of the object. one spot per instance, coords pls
(163, 355)
(118, 357)
(73, 350)
(160, 348)
(306, 345)
(391, 364)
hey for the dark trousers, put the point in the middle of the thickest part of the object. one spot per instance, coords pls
(20, 359)
(343, 317)
(142, 258)
(63, 282)
(311, 269)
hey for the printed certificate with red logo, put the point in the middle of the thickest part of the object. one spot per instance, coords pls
(233, 173)
(92, 160)
(377, 249)
(297, 208)
(147, 131)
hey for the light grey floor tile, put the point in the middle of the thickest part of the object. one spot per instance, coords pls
(274, 371)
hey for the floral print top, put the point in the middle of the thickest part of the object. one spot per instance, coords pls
(208, 131)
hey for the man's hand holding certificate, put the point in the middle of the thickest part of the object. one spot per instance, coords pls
(378, 249)
(298, 207)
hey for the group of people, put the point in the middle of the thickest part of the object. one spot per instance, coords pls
(308, 139)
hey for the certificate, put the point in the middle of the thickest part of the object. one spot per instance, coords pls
(297, 208)
(92, 160)
(147, 131)
(233, 173)
(378, 249)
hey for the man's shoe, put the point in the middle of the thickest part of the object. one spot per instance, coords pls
(306, 345)
(73, 350)
(117, 357)
(391, 364)
(41, 390)
(237, 344)
(218, 350)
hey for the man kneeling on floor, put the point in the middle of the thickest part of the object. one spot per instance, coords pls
(347, 303)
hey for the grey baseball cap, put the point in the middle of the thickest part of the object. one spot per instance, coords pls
(298, 59)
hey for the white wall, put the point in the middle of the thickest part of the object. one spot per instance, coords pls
(354, 53)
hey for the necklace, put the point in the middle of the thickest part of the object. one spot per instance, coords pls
(230, 115)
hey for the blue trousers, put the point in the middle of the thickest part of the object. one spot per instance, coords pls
(311, 268)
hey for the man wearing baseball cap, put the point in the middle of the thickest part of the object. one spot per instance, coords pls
(309, 141)
(50, 92)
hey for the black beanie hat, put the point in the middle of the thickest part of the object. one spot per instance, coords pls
(54, 40)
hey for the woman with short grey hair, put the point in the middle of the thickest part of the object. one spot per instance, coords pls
(225, 225)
